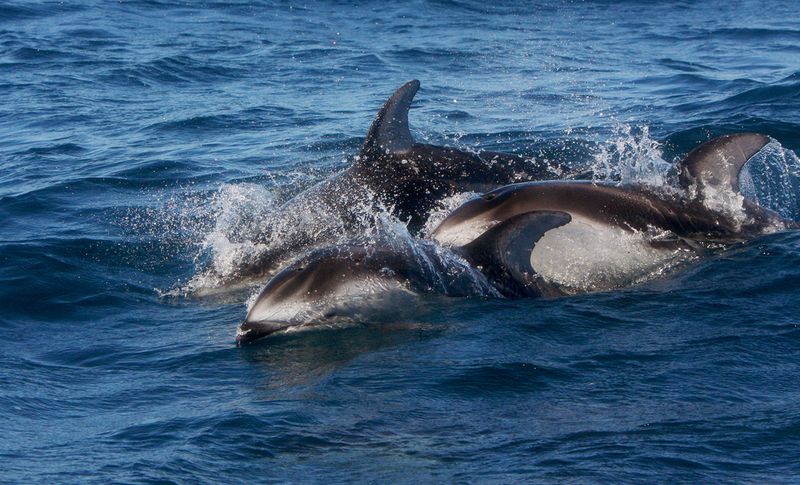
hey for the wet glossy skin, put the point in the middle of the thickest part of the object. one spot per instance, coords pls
(347, 272)
(630, 208)
(395, 173)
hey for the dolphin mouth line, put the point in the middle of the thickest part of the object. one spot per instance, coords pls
(249, 331)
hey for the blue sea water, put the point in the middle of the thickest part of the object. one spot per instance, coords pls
(142, 141)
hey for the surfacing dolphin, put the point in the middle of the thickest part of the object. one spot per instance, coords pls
(354, 283)
(392, 172)
(413, 177)
(551, 238)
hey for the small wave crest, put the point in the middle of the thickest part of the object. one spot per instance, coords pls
(181, 69)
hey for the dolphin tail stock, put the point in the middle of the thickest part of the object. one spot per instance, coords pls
(389, 132)
(715, 165)
(504, 252)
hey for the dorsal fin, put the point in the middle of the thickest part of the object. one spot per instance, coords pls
(716, 163)
(504, 251)
(389, 132)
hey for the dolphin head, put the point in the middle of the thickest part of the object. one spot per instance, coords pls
(320, 285)
(294, 286)
(477, 216)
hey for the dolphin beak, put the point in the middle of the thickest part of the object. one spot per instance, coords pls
(249, 332)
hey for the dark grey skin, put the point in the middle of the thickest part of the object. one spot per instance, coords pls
(503, 253)
(413, 177)
(392, 172)
(315, 285)
(489, 228)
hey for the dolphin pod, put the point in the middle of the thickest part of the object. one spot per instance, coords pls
(529, 239)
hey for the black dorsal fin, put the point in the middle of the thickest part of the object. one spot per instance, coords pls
(389, 132)
(716, 163)
(504, 251)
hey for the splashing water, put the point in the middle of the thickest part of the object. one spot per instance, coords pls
(772, 179)
(631, 157)
(446, 206)
(240, 212)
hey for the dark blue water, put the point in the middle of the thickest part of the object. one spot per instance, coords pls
(138, 138)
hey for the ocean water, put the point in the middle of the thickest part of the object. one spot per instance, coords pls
(144, 142)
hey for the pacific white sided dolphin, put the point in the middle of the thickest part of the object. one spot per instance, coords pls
(549, 238)
(347, 283)
(413, 177)
(392, 172)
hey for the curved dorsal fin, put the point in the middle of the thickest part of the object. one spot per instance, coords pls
(716, 163)
(504, 251)
(389, 132)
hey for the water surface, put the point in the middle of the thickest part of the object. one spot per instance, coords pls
(137, 137)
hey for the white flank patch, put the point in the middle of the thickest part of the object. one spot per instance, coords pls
(587, 256)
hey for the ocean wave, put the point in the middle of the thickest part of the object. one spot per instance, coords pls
(178, 69)
(752, 33)
(16, 11)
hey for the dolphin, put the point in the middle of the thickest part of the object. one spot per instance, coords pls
(551, 238)
(413, 177)
(392, 172)
(346, 282)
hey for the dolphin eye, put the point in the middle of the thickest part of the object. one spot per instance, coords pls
(489, 196)
(300, 268)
